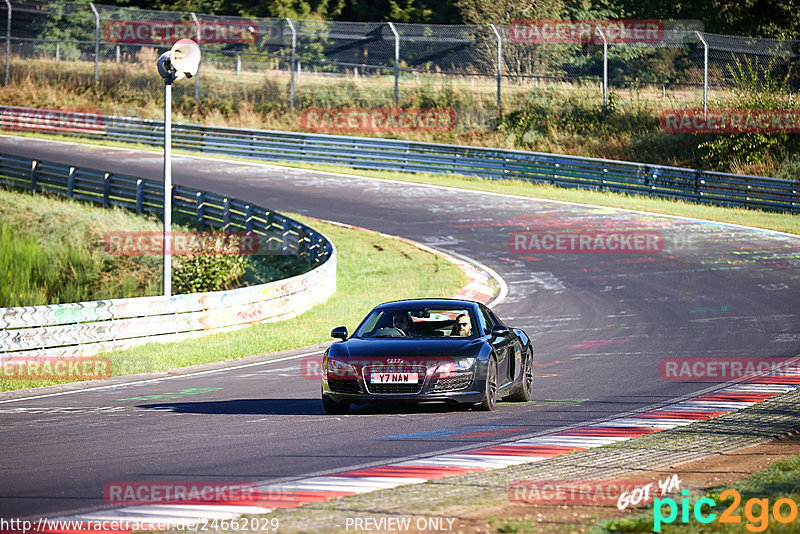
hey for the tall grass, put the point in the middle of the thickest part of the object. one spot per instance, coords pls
(555, 117)
(52, 250)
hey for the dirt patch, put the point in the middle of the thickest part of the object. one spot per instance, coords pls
(719, 469)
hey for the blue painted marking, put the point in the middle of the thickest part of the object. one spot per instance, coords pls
(710, 310)
(448, 432)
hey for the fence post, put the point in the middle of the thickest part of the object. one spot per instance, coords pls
(197, 75)
(605, 68)
(8, 41)
(705, 74)
(291, 62)
(96, 42)
(499, 62)
(396, 62)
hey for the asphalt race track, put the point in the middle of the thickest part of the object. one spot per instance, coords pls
(601, 323)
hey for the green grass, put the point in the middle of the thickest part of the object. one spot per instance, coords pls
(779, 481)
(371, 269)
(51, 251)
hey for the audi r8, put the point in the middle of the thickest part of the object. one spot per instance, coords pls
(422, 350)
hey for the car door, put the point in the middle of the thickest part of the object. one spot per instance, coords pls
(501, 346)
(514, 349)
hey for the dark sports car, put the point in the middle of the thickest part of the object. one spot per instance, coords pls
(424, 350)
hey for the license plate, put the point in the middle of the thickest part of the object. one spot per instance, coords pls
(394, 378)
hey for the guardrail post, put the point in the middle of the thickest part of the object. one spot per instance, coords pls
(499, 63)
(8, 41)
(197, 74)
(396, 63)
(291, 62)
(106, 189)
(248, 221)
(705, 74)
(71, 182)
(201, 206)
(605, 68)
(34, 175)
(139, 196)
(226, 213)
(96, 42)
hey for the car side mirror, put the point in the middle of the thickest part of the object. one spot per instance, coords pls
(340, 332)
(499, 330)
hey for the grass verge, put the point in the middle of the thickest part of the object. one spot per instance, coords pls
(371, 269)
(51, 251)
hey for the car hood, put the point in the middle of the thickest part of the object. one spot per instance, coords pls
(409, 350)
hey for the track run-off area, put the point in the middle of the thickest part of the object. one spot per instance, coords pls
(618, 303)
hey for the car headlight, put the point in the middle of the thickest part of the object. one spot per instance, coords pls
(449, 369)
(465, 364)
(337, 370)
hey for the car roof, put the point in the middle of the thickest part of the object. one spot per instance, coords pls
(428, 303)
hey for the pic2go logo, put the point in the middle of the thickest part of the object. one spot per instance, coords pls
(757, 521)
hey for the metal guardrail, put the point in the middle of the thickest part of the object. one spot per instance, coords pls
(718, 188)
(88, 327)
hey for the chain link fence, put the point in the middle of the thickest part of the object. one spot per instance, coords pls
(300, 63)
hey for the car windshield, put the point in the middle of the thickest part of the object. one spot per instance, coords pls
(417, 322)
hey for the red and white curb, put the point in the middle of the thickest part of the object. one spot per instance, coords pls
(323, 488)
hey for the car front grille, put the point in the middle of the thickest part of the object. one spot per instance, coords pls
(397, 389)
(460, 380)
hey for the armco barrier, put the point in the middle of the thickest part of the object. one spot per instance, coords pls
(390, 154)
(88, 327)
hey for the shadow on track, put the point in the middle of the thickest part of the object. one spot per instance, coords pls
(292, 407)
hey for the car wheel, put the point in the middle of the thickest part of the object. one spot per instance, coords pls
(490, 391)
(335, 408)
(525, 391)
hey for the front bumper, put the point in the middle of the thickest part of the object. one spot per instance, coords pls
(463, 387)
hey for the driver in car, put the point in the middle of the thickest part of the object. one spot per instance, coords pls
(463, 326)
(401, 322)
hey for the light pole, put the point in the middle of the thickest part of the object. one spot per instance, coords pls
(182, 61)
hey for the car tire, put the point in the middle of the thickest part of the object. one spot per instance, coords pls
(524, 392)
(335, 408)
(490, 389)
